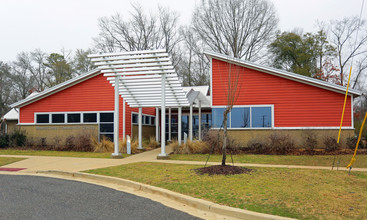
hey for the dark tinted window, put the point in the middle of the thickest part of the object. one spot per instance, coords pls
(74, 118)
(240, 117)
(42, 118)
(90, 117)
(147, 120)
(105, 128)
(107, 136)
(58, 118)
(135, 119)
(106, 117)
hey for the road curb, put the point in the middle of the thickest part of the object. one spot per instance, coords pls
(187, 200)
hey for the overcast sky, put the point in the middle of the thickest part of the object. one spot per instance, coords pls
(52, 25)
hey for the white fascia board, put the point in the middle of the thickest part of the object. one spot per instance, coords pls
(168, 76)
(284, 74)
(55, 89)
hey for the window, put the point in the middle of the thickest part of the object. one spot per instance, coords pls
(134, 118)
(261, 117)
(244, 117)
(90, 117)
(58, 118)
(106, 117)
(240, 118)
(74, 118)
(217, 114)
(147, 120)
(42, 118)
(106, 125)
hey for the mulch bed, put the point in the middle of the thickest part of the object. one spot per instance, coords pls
(222, 170)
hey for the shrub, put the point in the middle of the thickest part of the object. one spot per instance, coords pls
(352, 142)
(83, 143)
(214, 139)
(258, 146)
(4, 140)
(69, 144)
(280, 144)
(105, 145)
(153, 144)
(17, 139)
(331, 144)
(310, 141)
(191, 147)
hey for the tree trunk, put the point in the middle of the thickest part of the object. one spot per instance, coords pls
(225, 113)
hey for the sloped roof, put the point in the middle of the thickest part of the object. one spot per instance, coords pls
(284, 74)
(202, 95)
(13, 114)
(37, 96)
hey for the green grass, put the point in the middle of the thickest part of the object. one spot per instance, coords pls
(56, 153)
(297, 193)
(8, 160)
(316, 160)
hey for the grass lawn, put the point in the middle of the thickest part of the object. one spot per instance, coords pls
(316, 160)
(297, 193)
(8, 160)
(56, 153)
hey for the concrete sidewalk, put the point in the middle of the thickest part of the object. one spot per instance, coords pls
(73, 164)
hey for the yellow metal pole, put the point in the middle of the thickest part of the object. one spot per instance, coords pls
(359, 139)
(345, 101)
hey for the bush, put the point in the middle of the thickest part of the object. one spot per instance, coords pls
(331, 144)
(310, 142)
(17, 139)
(258, 146)
(102, 147)
(280, 144)
(352, 142)
(214, 139)
(4, 140)
(191, 147)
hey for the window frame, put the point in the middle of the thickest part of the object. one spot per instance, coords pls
(144, 116)
(229, 126)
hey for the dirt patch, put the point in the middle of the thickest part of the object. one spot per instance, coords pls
(222, 170)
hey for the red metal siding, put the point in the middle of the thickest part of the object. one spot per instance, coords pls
(295, 104)
(94, 94)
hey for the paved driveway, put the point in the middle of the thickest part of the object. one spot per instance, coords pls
(32, 197)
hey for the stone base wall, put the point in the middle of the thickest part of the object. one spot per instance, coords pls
(297, 135)
(53, 132)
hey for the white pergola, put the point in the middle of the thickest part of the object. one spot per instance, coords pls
(142, 79)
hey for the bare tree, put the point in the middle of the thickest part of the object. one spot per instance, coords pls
(23, 82)
(239, 28)
(343, 36)
(5, 88)
(232, 91)
(194, 67)
(141, 32)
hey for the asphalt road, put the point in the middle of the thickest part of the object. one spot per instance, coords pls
(31, 197)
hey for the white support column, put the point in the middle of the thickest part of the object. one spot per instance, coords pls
(169, 123)
(163, 118)
(123, 119)
(156, 124)
(140, 127)
(199, 133)
(116, 153)
(179, 125)
(190, 123)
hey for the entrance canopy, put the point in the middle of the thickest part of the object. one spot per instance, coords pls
(142, 75)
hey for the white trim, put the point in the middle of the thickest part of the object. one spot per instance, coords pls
(65, 121)
(288, 128)
(211, 80)
(284, 74)
(143, 121)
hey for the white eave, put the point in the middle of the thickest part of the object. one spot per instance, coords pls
(284, 74)
(13, 114)
(35, 97)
